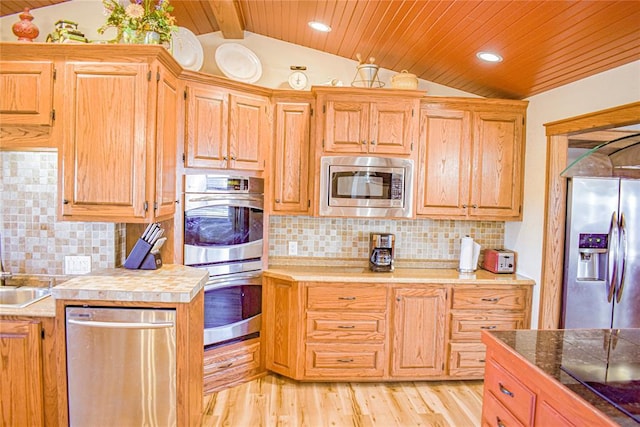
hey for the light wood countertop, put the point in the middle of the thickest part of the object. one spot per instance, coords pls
(399, 275)
(171, 283)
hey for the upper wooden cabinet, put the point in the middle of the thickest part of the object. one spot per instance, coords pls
(471, 159)
(120, 129)
(367, 121)
(225, 129)
(291, 151)
(27, 93)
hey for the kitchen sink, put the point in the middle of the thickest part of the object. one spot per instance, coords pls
(18, 297)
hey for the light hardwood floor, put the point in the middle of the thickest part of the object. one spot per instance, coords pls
(277, 401)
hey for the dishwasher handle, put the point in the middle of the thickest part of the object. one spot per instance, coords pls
(122, 325)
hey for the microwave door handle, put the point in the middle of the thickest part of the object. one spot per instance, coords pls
(622, 254)
(612, 257)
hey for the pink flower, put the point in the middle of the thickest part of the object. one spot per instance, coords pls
(135, 11)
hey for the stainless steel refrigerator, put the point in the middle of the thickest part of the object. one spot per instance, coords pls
(602, 254)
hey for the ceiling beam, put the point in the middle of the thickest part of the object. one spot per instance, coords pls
(227, 14)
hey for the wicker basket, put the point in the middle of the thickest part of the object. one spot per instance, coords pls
(404, 80)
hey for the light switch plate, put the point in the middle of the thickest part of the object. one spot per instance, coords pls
(77, 264)
(293, 248)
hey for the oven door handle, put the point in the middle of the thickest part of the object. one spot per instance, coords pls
(220, 198)
(248, 278)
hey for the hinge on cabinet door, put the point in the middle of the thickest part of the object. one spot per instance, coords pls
(264, 163)
(55, 74)
(146, 206)
(53, 114)
(149, 76)
(412, 112)
(155, 206)
(324, 109)
(311, 112)
(309, 203)
(157, 76)
(183, 158)
(42, 333)
(323, 143)
(185, 94)
(412, 146)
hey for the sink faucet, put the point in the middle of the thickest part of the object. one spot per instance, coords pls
(4, 275)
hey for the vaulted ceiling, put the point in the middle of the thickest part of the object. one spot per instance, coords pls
(545, 44)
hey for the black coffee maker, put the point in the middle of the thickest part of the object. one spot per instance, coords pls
(381, 251)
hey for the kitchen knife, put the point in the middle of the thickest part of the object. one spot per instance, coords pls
(158, 244)
(146, 230)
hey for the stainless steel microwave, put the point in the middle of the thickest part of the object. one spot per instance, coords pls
(357, 186)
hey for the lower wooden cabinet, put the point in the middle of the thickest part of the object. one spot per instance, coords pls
(27, 366)
(231, 364)
(353, 331)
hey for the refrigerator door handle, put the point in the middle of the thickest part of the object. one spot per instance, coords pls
(612, 257)
(622, 254)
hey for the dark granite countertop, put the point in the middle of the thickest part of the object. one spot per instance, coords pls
(594, 353)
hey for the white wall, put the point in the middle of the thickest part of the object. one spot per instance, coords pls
(606, 90)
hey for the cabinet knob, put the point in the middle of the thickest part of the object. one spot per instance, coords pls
(277, 200)
(65, 202)
(225, 158)
(364, 142)
(398, 299)
(499, 422)
(233, 158)
(464, 206)
(373, 142)
(474, 206)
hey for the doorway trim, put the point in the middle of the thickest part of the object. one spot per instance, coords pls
(558, 133)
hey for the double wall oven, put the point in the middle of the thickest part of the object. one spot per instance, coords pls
(223, 233)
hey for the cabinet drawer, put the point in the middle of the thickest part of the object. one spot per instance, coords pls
(344, 360)
(514, 395)
(230, 364)
(345, 326)
(467, 360)
(466, 326)
(487, 299)
(496, 415)
(347, 295)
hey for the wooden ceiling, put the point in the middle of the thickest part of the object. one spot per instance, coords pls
(545, 44)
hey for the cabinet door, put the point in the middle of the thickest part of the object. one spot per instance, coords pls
(282, 326)
(248, 132)
(21, 370)
(105, 136)
(444, 169)
(166, 155)
(291, 158)
(392, 126)
(346, 127)
(27, 93)
(206, 127)
(418, 332)
(497, 165)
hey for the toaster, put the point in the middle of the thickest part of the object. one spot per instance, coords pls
(499, 261)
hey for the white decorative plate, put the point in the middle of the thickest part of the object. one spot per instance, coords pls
(238, 62)
(187, 49)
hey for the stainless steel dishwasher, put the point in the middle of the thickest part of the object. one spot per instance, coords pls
(121, 366)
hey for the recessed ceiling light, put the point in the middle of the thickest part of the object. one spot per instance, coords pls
(489, 56)
(320, 26)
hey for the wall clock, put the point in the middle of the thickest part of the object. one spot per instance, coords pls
(298, 80)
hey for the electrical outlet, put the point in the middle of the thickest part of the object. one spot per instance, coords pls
(77, 264)
(293, 248)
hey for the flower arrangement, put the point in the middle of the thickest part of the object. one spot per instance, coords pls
(139, 16)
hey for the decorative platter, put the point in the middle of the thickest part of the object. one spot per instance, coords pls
(187, 49)
(238, 62)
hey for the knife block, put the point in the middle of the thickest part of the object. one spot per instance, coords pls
(142, 258)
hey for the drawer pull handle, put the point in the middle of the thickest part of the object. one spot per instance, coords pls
(504, 390)
(225, 366)
(345, 360)
(346, 326)
(499, 422)
(481, 360)
(490, 299)
(347, 298)
(488, 327)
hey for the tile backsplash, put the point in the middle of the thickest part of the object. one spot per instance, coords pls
(420, 241)
(33, 242)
